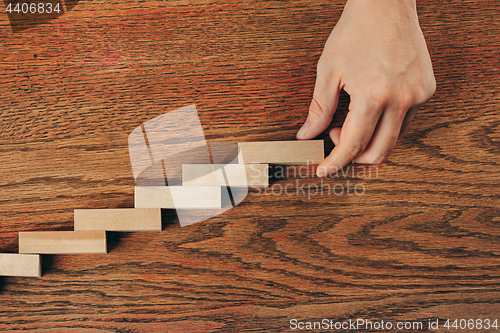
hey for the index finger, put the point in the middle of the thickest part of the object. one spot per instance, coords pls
(356, 133)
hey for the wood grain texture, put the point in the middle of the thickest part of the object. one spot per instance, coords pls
(421, 242)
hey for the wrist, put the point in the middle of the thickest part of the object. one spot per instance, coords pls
(382, 3)
(383, 9)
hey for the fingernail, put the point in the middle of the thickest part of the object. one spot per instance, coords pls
(303, 130)
(321, 171)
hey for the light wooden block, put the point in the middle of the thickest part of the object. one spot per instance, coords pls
(232, 175)
(179, 197)
(125, 219)
(62, 242)
(22, 265)
(282, 152)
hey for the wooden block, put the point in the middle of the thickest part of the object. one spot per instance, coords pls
(62, 242)
(125, 219)
(282, 152)
(179, 197)
(232, 175)
(24, 265)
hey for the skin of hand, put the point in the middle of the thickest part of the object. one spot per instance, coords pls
(378, 55)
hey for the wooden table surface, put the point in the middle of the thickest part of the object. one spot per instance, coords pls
(422, 242)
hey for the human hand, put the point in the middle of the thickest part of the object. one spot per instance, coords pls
(377, 54)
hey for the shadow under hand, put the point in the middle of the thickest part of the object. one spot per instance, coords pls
(281, 172)
(339, 115)
(337, 120)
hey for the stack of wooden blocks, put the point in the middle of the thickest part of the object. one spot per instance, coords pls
(201, 189)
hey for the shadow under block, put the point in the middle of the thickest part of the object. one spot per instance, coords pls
(126, 219)
(22, 265)
(232, 175)
(63, 242)
(282, 152)
(179, 197)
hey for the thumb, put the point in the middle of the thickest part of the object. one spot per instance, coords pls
(321, 110)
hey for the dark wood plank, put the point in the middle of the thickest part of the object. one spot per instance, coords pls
(421, 243)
